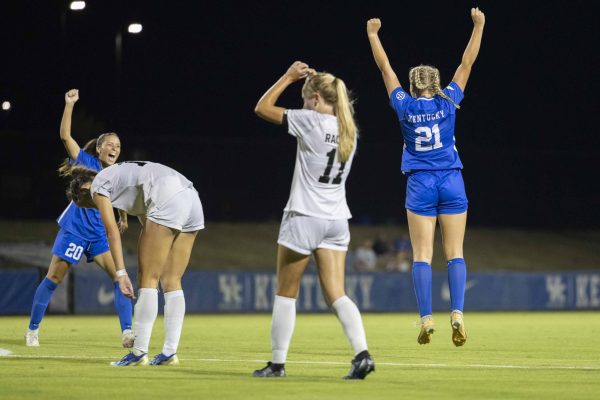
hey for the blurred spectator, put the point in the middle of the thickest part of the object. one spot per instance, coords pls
(401, 258)
(364, 257)
(381, 246)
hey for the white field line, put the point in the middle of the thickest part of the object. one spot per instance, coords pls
(389, 364)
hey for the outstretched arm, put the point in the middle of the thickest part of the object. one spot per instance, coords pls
(266, 108)
(70, 144)
(114, 240)
(389, 76)
(461, 76)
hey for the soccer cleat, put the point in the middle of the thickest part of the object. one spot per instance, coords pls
(32, 339)
(361, 368)
(161, 359)
(128, 338)
(459, 335)
(131, 359)
(427, 329)
(269, 372)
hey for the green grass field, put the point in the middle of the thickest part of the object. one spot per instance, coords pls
(507, 356)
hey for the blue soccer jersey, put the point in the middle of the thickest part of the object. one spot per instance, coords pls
(427, 126)
(83, 222)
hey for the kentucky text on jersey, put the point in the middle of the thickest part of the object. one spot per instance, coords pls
(427, 126)
(425, 117)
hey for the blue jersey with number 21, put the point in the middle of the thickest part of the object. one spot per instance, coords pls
(428, 129)
(83, 222)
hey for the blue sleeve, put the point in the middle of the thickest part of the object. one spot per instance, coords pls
(87, 161)
(454, 92)
(399, 100)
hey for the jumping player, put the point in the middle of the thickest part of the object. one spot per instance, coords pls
(435, 188)
(171, 214)
(81, 231)
(315, 219)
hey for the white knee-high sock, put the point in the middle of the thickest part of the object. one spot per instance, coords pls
(349, 316)
(174, 313)
(145, 312)
(282, 327)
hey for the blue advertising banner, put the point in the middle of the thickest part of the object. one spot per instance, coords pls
(17, 287)
(211, 291)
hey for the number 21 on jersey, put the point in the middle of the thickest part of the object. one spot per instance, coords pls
(425, 134)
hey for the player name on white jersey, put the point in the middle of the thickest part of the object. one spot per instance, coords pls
(426, 117)
(329, 138)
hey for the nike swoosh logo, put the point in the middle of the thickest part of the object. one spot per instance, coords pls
(105, 297)
(445, 292)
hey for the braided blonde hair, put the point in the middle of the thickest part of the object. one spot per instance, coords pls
(334, 91)
(426, 77)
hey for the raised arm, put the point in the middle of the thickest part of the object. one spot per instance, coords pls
(70, 144)
(389, 76)
(461, 76)
(266, 108)
(114, 241)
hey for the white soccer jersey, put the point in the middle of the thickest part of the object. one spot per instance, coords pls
(139, 186)
(318, 186)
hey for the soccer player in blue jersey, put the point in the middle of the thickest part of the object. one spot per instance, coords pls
(81, 230)
(435, 188)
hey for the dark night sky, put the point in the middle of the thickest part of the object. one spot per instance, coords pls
(526, 132)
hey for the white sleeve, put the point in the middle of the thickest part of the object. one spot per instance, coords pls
(300, 122)
(101, 186)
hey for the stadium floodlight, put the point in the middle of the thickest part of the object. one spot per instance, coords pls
(6, 105)
(134, 28)
(77, 5)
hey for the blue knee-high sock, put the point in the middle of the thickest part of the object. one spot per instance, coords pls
(457, 278)
(41, 299)
(421, 272)
(124, 308)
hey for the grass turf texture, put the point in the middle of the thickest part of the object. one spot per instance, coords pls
(507, 356)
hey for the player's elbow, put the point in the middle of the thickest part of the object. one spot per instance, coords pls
(260, 110)
(467, 63)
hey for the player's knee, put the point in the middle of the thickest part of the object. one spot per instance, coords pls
(288, 291)
(453, 252)
(170, 283)
(56, 278)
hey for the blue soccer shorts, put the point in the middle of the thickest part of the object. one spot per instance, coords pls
(431, 193)
(71, 247)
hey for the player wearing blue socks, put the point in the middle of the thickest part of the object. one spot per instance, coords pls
(81, 230)
(435, 188)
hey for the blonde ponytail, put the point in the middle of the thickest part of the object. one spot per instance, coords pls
(333, 90)
(344, 110)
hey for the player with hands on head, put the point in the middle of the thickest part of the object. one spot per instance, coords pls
(81, 230)
(435, 187)
(171, 215)
(315, 219)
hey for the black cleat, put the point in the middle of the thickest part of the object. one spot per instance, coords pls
(361, 368)
(270, 372)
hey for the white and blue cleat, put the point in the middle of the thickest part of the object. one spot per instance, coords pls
(161, 359)
(131, 359)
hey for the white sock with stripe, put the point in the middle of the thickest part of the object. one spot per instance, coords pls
(282, 327)
(174, 313)
(349, 316)
(145, 312)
